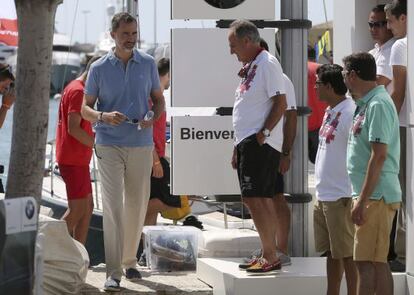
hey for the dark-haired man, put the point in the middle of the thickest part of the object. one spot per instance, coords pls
(396, 13)
(122, 81)
(317, 106)
(373, 164)
(258, 109)
(74, 142)
(6, 91)
(160, 197)
(333, 228)
(383, 37)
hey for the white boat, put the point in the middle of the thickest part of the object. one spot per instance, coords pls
(66, 64)
(6, 51)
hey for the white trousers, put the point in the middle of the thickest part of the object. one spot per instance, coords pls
(125, 174)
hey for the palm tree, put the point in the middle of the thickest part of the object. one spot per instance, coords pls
(36, 24)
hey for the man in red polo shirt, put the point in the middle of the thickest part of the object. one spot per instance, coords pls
(318, 107)
(160, 197)
(74, 142)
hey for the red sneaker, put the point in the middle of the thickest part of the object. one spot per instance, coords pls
(250, 263)
(264, 267)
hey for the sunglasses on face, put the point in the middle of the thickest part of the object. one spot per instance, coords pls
(378, 24)
(319, 83)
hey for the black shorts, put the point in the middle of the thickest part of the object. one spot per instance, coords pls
(160, 187)
(280, 183)
(257, 169)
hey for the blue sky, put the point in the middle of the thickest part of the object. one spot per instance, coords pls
(94, 11)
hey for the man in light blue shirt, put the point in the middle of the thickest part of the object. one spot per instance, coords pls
(121, 83)
(373, 166)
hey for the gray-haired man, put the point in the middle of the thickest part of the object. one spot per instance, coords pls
(258, 109)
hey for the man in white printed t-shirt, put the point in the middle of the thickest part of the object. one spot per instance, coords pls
(282, 211)
(333, 227)
(396, 14)
(257, 121)
(382, 50)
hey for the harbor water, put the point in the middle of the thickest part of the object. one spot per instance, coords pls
(6, 135)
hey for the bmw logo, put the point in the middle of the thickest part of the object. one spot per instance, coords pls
(30, 209)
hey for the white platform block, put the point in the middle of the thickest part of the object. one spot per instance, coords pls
(304, 276)
(410, 284)
(216, 220)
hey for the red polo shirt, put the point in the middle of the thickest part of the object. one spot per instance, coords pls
(318, 107)
(70, 151)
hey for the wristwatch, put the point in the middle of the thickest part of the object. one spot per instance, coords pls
(286, 153)
(266, 132)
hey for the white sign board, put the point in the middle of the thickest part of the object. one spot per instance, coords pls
(223, 9)
(21, 215)
(203, 72)
(202, 148)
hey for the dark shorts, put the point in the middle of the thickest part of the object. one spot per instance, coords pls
(160, 187)
(313, 143)
(77, 180)
(257, 169)
(280, 183)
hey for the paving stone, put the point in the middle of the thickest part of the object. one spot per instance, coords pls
(171, 283)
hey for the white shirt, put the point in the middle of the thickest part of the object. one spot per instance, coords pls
(331, 175)
(382, 59)
(399, 58)
(290, 93)
(253, 100)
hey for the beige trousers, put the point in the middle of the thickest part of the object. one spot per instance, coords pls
(125, 184)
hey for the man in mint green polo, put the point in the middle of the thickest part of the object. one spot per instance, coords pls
(373, 166)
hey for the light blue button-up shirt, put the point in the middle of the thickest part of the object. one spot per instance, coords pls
(125, 89)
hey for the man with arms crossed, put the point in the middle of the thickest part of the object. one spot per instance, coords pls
(122, 81)
(333, 228)
(396, 13)
(373, 166)
(257, 121)
(382, 50)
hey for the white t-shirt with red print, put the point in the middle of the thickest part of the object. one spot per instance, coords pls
(264, 79)
(399, 58)
(331, 175)
(290, 94)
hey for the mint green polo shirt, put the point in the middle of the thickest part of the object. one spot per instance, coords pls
(375, 120)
